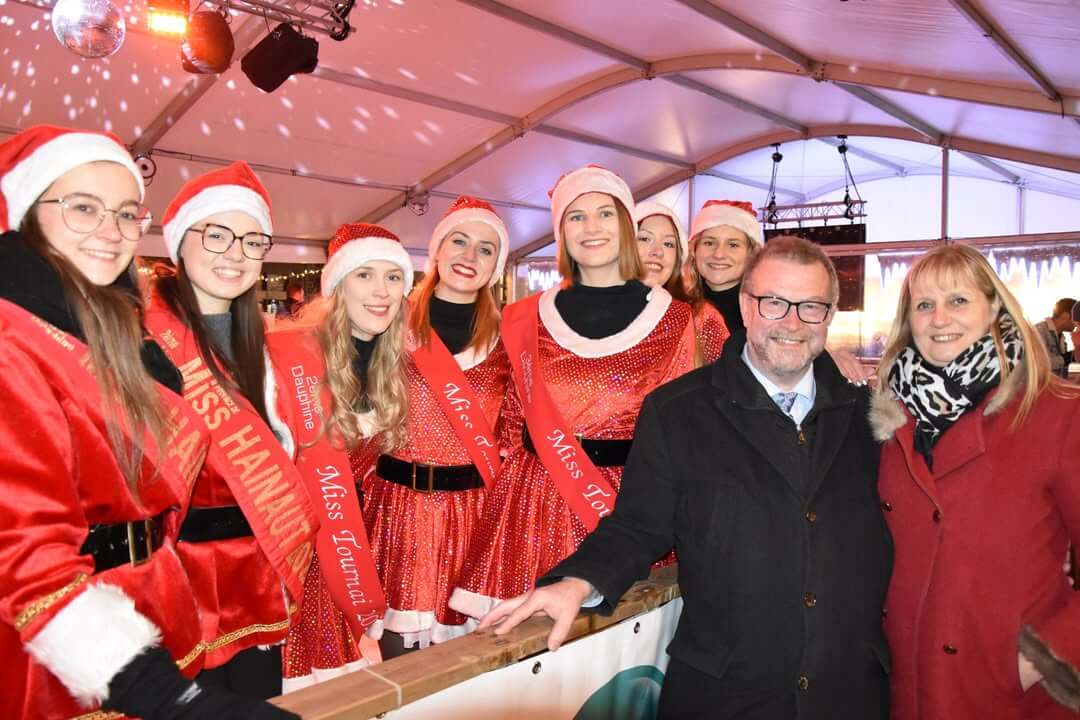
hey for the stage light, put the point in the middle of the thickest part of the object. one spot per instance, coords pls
(208, 46)
(282, 53)
(89, 28)
(167, 17)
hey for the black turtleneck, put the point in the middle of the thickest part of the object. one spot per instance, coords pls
(599, 312)
(364, 349)
(29, 281)
(453, 322)
(727, 302)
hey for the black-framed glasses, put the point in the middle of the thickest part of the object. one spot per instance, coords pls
(218, 239)
(810, 312)
(83, 213)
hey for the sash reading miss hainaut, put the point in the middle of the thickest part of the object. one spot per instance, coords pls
(588, 495)
(460, 404)
(342, 543)
(245, 453)
(186, 437)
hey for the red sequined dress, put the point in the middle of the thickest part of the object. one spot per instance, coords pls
(526, 527)
(419, 538)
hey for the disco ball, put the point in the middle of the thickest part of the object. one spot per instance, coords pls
(90, 28)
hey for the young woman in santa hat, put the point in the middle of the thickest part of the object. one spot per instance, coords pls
(100, 451)
(245, 544)
(344, 367)
(423, 501)
(723, 236)
(664, 251)
(583, 357)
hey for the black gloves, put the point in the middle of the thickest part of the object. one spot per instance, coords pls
(151, 687)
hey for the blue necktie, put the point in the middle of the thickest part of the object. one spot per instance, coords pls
(785, 400)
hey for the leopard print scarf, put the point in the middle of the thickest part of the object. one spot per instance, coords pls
(938, 396)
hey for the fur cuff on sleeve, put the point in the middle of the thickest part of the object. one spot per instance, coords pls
(1060, 679)
(91, 640)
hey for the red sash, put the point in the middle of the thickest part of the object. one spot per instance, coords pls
(186, 439)
(460, 404)
(342, 543)
(245, 453)
(588, 495)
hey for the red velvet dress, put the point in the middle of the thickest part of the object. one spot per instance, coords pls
(419, 539)
(526, 527)
(60, 477)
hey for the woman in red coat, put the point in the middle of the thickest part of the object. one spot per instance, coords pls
(99, 452)
(980, 484)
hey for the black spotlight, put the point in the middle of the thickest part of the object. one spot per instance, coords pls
(208, 46)
(282, 53)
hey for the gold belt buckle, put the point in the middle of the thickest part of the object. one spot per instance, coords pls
(430, 479)
(132, 555)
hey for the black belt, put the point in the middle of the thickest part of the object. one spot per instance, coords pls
(429, 478)
(208, 524)
(131, 542)
(603, 453)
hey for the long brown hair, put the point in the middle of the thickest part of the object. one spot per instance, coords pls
(676, 284)
(630, 267)
(246, 372)
(386, 390)
(485, 323)
(694, 283)
(110, 322)
(956, 263)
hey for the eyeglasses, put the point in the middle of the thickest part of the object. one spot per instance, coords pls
(218, 239)
(810, 312)
(83, 213)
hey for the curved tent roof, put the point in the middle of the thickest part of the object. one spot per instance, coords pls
(499, 98)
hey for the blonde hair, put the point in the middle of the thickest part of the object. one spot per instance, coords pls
(950, 266)
(386, 391)
(692, 278)
(630, 267)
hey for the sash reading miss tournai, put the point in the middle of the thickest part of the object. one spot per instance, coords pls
(460, 404)
(245, 453)
(186, 437)
(586, 492)
(342, 543)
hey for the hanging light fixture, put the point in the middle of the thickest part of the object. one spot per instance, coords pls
(208, 46)
(89, 28)
(167, 17)
(770, 207)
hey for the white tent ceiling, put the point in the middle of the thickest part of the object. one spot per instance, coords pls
(498, 99)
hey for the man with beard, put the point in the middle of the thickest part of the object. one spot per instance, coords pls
(761, 470)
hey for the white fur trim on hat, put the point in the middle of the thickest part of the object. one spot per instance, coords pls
(92, 639)
(712, 216)
(215, 199)
(23, 184)
(465, 215)
(648, 208)
(359, 251)
(586, 180)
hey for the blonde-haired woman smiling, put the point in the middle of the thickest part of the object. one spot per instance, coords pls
(980, 485)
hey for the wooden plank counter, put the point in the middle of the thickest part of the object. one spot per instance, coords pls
(366, 693)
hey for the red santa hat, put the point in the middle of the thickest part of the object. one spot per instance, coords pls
(355, 244)
(35, 158)
(469, 209)
(591, 178)
(734, 213)
(648, 208)
(235, 188)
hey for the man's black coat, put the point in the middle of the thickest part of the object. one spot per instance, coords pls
(784, 556)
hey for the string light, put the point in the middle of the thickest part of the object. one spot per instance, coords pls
(274, 277)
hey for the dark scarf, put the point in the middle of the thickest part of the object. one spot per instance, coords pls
(939, 396)
(29, 281)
